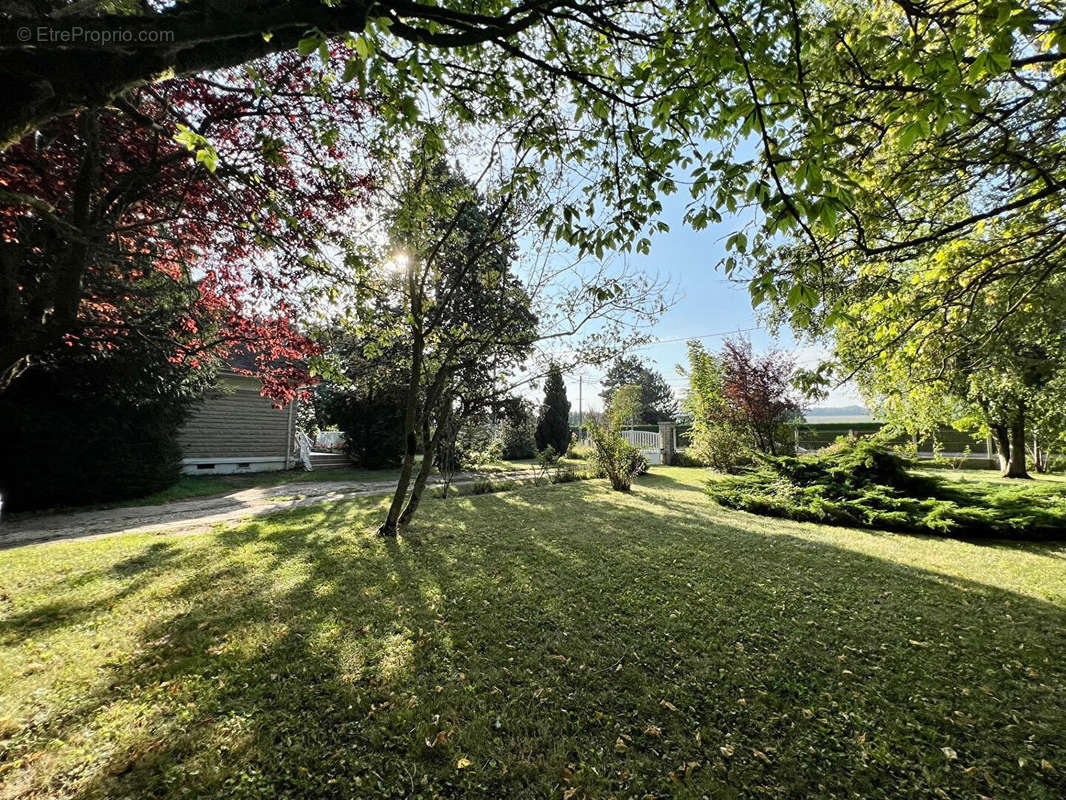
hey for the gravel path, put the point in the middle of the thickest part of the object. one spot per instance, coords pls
(203, 513)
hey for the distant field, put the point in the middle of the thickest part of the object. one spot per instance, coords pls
(813, 419)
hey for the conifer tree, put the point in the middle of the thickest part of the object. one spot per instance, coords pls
(553, 427)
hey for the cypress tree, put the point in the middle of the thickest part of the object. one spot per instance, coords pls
(553, 426)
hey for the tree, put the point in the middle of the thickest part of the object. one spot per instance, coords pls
(468, 321)
(993, 366)
(595, 79)
(757, 394)
(467, 318)
(714, 440)
(877, 131)
(657, 402)
(626, 402)
(553, 425)
(96, 201)
(892, 132)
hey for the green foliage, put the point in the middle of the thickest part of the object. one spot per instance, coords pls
(517, 431)
(553, 427)
(657, 403)
(862, 483)
(626, 402)
(713, 441)
(614, 457)
(77, 436)
(718, 446)
(372, 422)
(548, 457)
(478, 443)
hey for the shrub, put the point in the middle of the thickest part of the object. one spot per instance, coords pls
(638, 464)
(862, 483)
(616, 458)
(579, 452)
(372, 422)
(517, 433)
(718, 446)
(69, 437)
(547, 458)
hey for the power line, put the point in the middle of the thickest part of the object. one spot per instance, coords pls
(687, 338)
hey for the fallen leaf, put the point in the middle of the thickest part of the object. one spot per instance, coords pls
(759, 754)
(727, 750)
(462, 763)
(1048, 767)
(651, 730)
(440, 738)
(949, 753)
(668, 705)
(619, 745)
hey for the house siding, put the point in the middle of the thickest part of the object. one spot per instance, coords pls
(236, 422)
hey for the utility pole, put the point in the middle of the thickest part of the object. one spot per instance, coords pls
(580, 410)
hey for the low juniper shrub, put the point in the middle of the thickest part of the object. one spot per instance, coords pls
(864, 484)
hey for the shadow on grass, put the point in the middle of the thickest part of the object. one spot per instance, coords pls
(556, 638)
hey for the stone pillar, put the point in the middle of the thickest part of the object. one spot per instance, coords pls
(666, 440)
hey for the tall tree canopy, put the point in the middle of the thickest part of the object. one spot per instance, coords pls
(657, 401)
(894, 131)
(217, 194)
(877, 129)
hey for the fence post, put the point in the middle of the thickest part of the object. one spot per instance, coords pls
(666, 440)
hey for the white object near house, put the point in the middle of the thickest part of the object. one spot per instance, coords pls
(329, 440)
(648, 442)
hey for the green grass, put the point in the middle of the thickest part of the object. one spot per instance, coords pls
(557, 641)
(991, 477)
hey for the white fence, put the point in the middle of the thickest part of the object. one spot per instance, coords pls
(648, 442)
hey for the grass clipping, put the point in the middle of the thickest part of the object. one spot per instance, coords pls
(862, 483)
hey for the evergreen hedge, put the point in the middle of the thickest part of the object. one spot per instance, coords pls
(71, 437)
(862, 483)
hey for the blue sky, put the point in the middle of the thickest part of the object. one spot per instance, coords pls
(707, 304)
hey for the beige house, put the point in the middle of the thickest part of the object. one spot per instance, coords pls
(235, 429)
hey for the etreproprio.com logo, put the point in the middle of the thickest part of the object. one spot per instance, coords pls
(77, 34)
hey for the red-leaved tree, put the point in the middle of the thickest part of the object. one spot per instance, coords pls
(758, 393)
(186, 216)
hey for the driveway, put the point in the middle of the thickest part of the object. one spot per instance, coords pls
(203, 513)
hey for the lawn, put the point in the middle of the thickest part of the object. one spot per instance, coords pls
(557, 641)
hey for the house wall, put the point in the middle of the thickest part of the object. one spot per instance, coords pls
(237, 430)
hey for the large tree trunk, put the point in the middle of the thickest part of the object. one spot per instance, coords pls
(1016, 464)
(430, 444)
(389, 526)
(410, 420)
(1001, 436)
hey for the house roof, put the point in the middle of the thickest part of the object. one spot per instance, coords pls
(243, 359)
